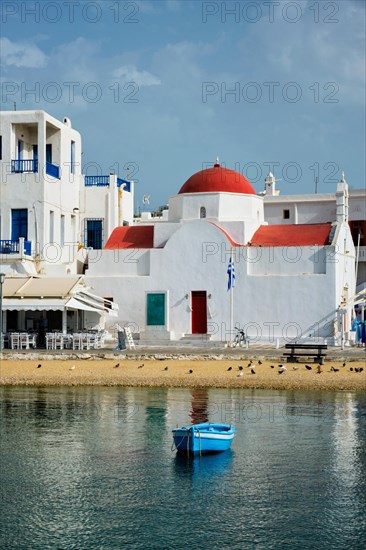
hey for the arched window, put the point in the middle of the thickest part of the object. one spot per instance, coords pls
(202, 212)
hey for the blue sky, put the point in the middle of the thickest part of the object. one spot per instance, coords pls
(147, 84)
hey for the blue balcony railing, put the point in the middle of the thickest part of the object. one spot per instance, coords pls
(98, 181)
(127, 184)
(24, 165)
(53, 170)
(12, 247)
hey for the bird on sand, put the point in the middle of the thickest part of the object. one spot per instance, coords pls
(259, 362)
(230, 368)
(140, 366)
(308, 368)
(166, 368)
(351, 369)
(190, 371)
(252, 371)
(240, 367)
(295, 368)
(319, 369)
(333, 369)
(72, 368)
(240, 374)
(39, 366)
(282, 369)
(116, 366)
(272, 367)
(344, 364)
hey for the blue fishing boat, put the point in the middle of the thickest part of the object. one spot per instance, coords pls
(203, 438)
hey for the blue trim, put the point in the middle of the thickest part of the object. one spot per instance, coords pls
(20, 166)
(120, 182)
(10, 246)
(53, 170)
(97, 181)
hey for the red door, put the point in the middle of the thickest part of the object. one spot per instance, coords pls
(199, 312)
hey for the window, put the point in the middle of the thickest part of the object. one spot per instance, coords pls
(52, 226)
(286, 214)
(202, 212)
(49, 152)
(93, 234)
(20, 149)
(72, 157)
(19, 223)
(107, 304)
(35, 151)
(62, 230)
(155, 309)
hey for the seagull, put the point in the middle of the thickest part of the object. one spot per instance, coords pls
(116, 366)
(240, 374)
(250, 364)
(39, 366)
(351, 369)
(282, 369)
(319, 369)
(72, 368)
(272, 366)
(240, 367)
(252, 371)
(140, 366)
(281, 372)
(230, 368)
(295, 368)
(344, 364)
(259, 362)
(360, 369)
(333, 369)
(356, 369)
(307, 367)
(190, 371)
(166, 368)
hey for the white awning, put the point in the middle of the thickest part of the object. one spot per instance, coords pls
(30, 304)
(53, 294)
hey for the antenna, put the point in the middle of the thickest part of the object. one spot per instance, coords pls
(316, 185)
(15, 105)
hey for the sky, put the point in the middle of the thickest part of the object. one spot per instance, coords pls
(158, 89)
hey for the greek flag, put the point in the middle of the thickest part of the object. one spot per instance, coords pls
(231, 274)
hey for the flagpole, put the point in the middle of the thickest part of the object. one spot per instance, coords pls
(231, 303)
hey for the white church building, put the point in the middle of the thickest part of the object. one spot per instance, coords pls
(170, 277)
(72, 251)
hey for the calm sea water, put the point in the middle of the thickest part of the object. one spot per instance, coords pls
(85, 468)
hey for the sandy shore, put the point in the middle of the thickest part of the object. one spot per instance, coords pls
(175, 373)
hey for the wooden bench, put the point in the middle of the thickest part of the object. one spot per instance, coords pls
(309, 350)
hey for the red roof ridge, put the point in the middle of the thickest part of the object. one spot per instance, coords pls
(131, 236)
(292, 235)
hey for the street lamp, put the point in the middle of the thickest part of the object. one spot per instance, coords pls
(2, 279)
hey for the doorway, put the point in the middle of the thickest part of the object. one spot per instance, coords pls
(199, 312)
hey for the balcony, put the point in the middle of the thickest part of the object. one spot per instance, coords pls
(53, 170)
(22, 166)
(105, 181)
(97, 181)
(20, 247)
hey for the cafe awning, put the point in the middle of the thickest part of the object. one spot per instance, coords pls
(53, 294)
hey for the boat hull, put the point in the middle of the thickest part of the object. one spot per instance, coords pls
(203, 438)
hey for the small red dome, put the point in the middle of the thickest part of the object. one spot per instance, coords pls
(217, 180)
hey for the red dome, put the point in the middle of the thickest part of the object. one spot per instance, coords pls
(217, 180)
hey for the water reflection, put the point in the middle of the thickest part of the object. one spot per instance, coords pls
(199, 406)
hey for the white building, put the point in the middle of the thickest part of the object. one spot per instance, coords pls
(170, 276)
(51, 214)
(319, 208)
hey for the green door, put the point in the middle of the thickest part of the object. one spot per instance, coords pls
(156, 309)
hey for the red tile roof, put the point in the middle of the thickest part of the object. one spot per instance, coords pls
(292, 235)
(140, 236)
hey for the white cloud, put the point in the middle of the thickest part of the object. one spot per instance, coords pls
(130, 73)
(21, 54)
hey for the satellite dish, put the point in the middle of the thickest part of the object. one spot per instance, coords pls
(146, 199)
